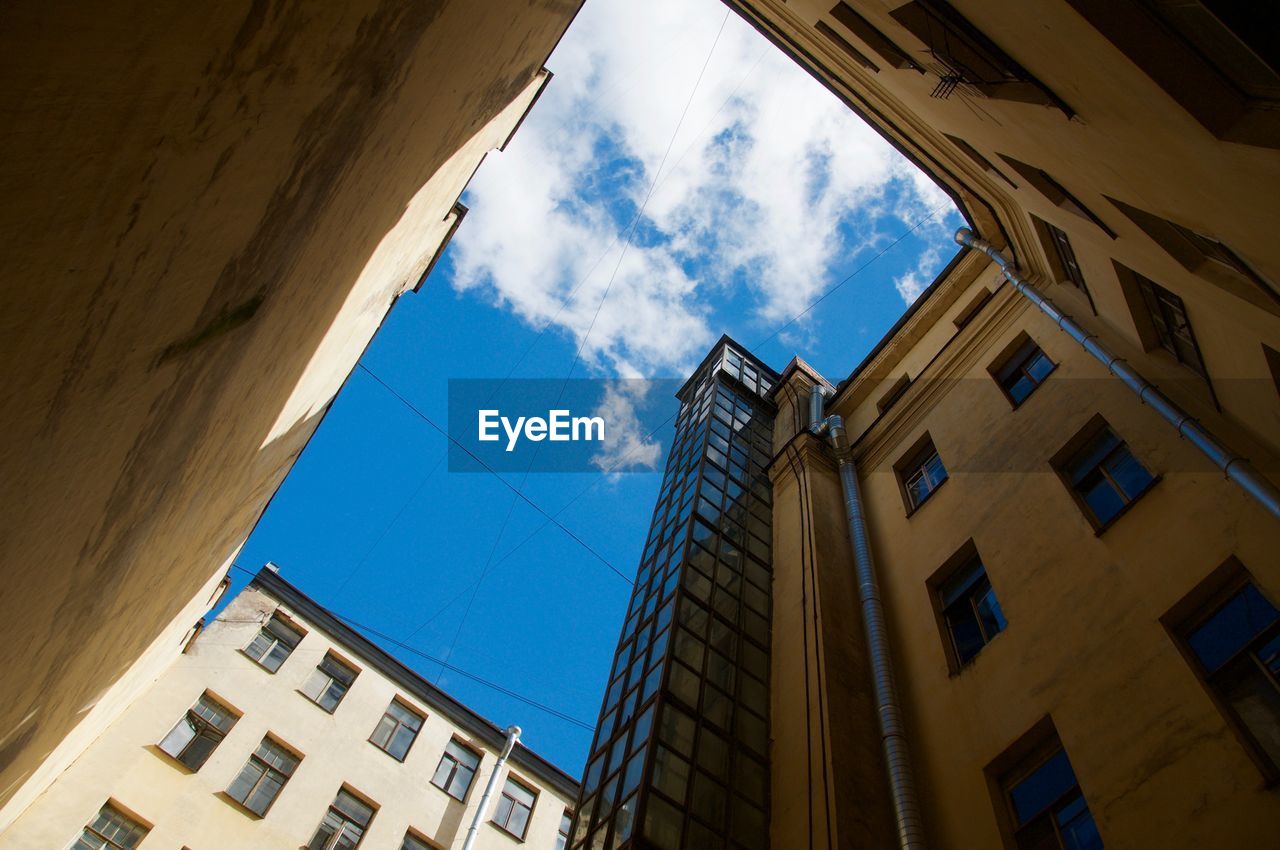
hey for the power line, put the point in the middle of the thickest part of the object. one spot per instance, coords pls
(601, 558)
(789, 322)
(532, 703)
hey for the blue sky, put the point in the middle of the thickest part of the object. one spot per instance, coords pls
(770, 193)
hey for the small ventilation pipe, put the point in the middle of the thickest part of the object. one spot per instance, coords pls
(902, 786)
(513, 735)
(1233, 466)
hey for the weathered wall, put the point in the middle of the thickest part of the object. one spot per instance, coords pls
(187, 808)
(208, 210)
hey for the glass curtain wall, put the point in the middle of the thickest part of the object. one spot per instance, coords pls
(680, 755)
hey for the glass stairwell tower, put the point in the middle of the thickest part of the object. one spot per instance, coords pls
(680, 755)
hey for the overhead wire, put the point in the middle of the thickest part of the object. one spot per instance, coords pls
(519, 697)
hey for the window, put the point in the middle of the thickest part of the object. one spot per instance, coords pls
(1023, 371)
(329, 682)
(566, 824)
(415, 842)
(1168, 318)
(895, 391)
(1212, 57)
(973, 154)
(457, 767)
(849, 49)
(1047, 807)
(970, 310)
(1205, 257)
(396, 730)
(921, 473)
(895, 56)
(1104, 475)
(112, 829)
(967, 57)
(969, 609)
(262, 777)
(344, 824)
(1062, 257)
(274, 643)
(1055, 192)
(198, 734)
(514, 807)
(1235, 640)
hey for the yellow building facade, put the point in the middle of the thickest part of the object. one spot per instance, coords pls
(208, 211)
(1004, 468)
(280, 726)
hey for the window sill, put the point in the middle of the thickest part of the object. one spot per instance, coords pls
(259, 664)
(308, 698)
(172, 760)
(955, 671)
(390, 754)
(1018, 405)
(508, 833)
(1100, 529)
(912, 510)
(462, 799)
(241, 807)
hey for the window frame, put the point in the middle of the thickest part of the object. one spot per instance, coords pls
(963, 47)
(265, 768)
(565, 830)
(1014, 359)
(202, 725)
(287, 625)
(1194, 610)
(1181, 70)
(872, 37)
(1063, 463)
(1023, 758)
(344, 818)
(338, 661)
(1144, 298)
(422, 719)
(129, 819)
(453, 771)
(962, 561)
(511, 779)
(914, 462)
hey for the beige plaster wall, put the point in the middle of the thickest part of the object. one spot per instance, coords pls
(208, 210)
(187, 809)
(1084, 643)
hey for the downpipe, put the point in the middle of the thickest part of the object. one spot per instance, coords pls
(902, 786)
(513, 735)
(1233, 466)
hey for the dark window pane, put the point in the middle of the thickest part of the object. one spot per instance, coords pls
(989, 613)
(965, 632)
(1075, 822)
(1125, 470)
(1042, 787)
(1244, 616)
(1254, 696)
(1101, 498)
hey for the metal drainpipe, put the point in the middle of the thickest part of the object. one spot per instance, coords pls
(513, 735)
(1234, 466)
(902, 786)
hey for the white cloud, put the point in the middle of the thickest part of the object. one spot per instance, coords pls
(763, 184)
(628, 444)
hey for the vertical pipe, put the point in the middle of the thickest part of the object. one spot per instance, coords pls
(513, 735)
(893, 739)
(1233, 466)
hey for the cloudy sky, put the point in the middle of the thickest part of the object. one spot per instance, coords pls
(759, 191)
(679, 179)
